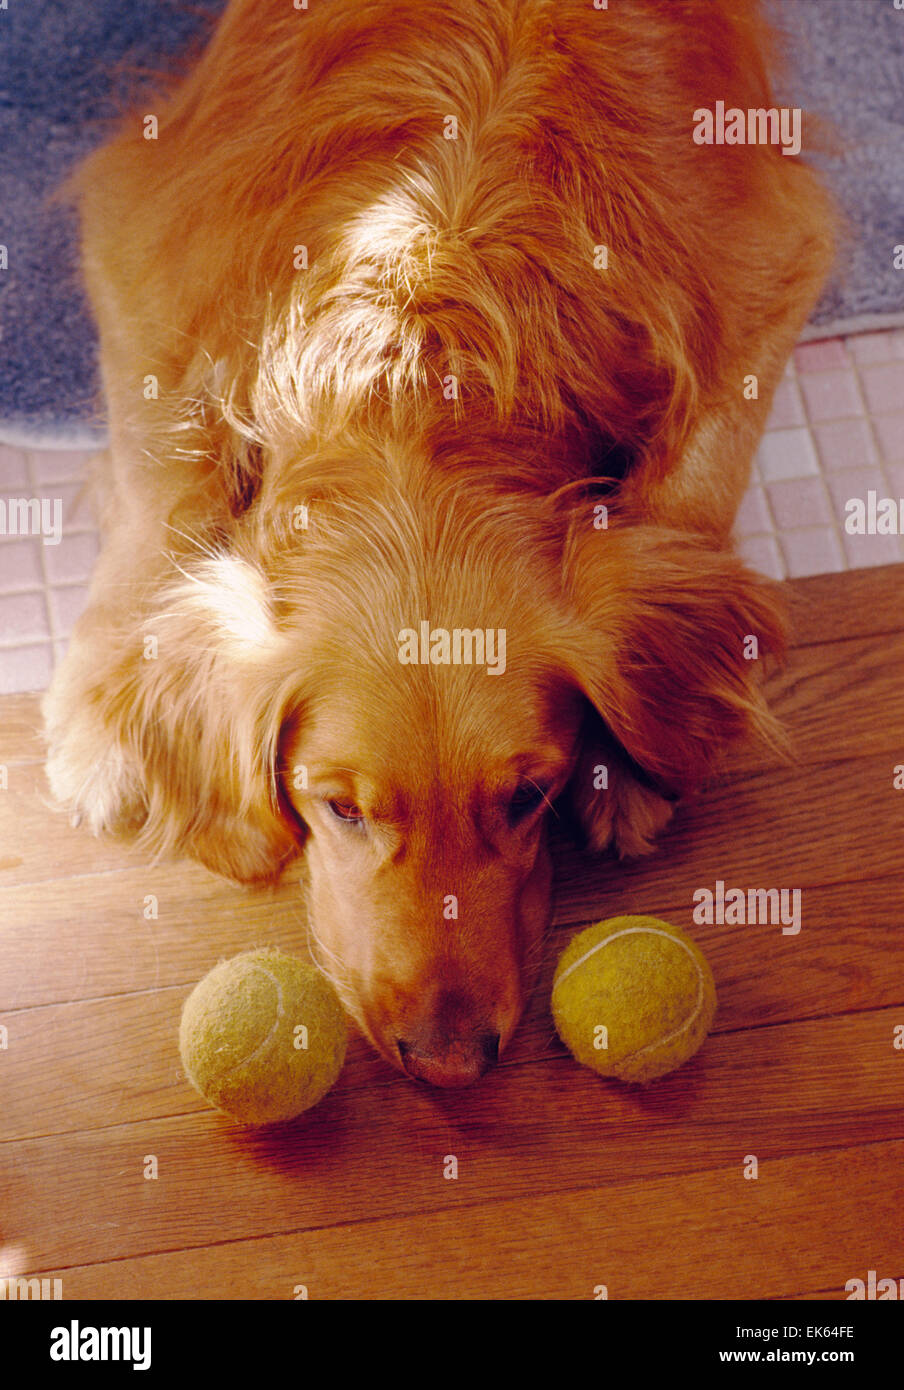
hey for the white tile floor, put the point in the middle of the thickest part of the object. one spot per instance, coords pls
(42, 586)
(836, 432)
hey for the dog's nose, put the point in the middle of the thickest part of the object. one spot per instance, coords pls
(458, 1064)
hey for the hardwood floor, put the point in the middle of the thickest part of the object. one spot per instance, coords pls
(565, 1182)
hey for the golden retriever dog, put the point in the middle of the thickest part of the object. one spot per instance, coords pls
(435, 344)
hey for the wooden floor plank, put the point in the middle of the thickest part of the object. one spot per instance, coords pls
(818, 696)
(832, 607)
(21, 736)
(770, 1091)
(702, 1235)
(97, 935)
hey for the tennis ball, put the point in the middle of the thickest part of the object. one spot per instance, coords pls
(263, 1036)
(633, 997)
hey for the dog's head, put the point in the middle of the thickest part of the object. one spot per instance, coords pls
(408, 681)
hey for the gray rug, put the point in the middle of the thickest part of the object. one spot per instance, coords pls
(846, 60)
(65, 64)
(65, 69)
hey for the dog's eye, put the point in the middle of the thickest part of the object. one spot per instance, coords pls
(346, 811)
(527, 799)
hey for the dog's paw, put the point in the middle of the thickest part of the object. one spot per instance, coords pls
(102, 793)
(639, 815)
(623, 814)
(91, 777)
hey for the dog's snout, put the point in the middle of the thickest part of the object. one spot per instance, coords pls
(456, 1063)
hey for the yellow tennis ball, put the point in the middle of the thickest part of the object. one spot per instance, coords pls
(633, 997)
(263, 1036)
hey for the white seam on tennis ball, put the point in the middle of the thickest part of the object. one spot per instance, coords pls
(646, 931)
(243, 1062)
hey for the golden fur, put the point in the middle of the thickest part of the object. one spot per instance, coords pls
(293, 478)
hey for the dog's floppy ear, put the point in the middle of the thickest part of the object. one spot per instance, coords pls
(198, 714)
(672, 632)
